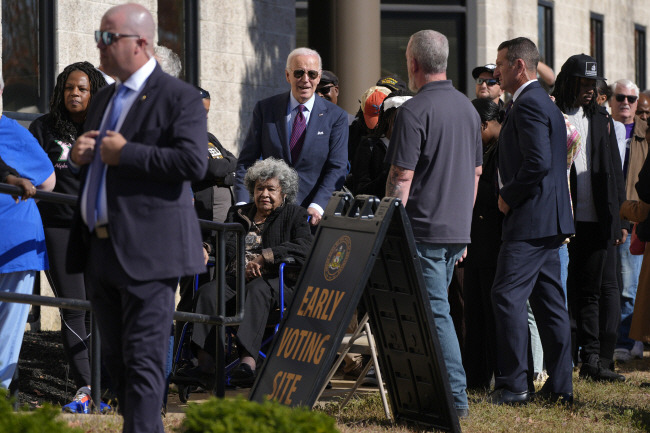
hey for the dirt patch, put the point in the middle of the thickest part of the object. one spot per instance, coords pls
(42, 370)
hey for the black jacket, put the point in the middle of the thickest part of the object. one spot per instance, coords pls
(487, 219)
(57, 148)
(370, 170)
(607, 184)
(286, 232)
(643, 189)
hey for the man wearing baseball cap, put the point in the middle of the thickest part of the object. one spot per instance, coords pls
(328, 87)
(486, 85)
(597, 190)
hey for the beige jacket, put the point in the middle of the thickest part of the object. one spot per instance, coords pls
(638, 154)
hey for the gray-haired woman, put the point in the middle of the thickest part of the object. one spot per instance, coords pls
(276, 229)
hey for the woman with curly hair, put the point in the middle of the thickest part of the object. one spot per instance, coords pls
(56, 132)
(276, 228)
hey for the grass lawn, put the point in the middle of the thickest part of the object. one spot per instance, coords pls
(623, 407)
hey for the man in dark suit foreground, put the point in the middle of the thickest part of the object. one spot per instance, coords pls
(137, 232)
(306, 131)
(534, 198)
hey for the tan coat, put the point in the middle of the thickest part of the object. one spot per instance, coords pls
(638, 154)
(640, 330)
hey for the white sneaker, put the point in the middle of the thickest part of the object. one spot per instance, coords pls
(637, 350)
(622, 355)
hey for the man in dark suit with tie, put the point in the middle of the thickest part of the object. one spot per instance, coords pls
(534, 198)
(306, 131)
(137, 231)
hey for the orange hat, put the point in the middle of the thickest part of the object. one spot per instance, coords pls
(370, 104)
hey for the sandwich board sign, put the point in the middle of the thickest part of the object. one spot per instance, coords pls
(363, 256)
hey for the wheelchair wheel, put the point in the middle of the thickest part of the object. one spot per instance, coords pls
(183, 393)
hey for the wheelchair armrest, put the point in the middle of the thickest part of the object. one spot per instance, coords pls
(289, 262)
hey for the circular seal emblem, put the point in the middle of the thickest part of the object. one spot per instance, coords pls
(337, 257)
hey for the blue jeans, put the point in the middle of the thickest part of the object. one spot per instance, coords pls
(564, 268)
(535, 342)
(13, 317)
(630, 270)
(437, 262)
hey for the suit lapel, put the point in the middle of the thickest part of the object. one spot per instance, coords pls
(281, 126)
(133, 119)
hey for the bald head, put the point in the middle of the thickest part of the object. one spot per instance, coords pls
(643, 106)
(131, 44)
(137, 20)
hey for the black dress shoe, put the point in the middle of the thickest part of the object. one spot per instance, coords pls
(462, 413)
(563, 398)
(242, 376)
(599, 373)
(197, 377)
(504, 396)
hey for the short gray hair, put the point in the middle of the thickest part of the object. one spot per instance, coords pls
(168, 60)
(303, 51)
(628, 84)
(431, 50)
(271, 168)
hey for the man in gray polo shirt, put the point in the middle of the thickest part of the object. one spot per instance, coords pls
(436, 155)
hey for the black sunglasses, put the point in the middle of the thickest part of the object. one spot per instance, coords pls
(630, 98)
(325, 90)
(108, 38)
(298, 73)
(489, 81)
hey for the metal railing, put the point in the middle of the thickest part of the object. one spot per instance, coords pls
(221, 320)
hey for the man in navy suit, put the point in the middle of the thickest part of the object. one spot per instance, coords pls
(534, 197)
(319, 154)
(137, 232)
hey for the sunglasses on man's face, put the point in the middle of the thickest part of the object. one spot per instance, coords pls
(298, 73)
(489, 81)
(108, 38)
(630, 98)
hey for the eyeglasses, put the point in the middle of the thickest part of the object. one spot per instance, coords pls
(108, 38)
(325, 90)
(630, 98)
(489, 81)
(298, 73)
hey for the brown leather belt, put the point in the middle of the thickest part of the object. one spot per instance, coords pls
(102, 232)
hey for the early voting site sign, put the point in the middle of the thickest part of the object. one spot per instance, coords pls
(363, 247)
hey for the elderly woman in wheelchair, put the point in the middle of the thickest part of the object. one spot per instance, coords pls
(276, 229)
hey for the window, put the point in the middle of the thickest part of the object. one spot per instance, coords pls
(545, 32)
(178, 30)
(27, 42)
(596, 45)
(397, 28)
(399, 20)
(639, 56)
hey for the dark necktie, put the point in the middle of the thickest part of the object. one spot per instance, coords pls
(297, 134)
(509, 106)
(97, 166)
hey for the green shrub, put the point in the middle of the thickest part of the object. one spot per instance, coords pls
(242, 416)
(41, 420)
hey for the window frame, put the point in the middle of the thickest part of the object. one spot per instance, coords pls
(640, 59)
(546, 32)
(597, 46)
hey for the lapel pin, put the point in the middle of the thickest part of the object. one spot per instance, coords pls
(320, 133)
(143, 97)
(320, 114)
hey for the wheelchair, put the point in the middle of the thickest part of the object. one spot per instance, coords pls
(182, 356)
